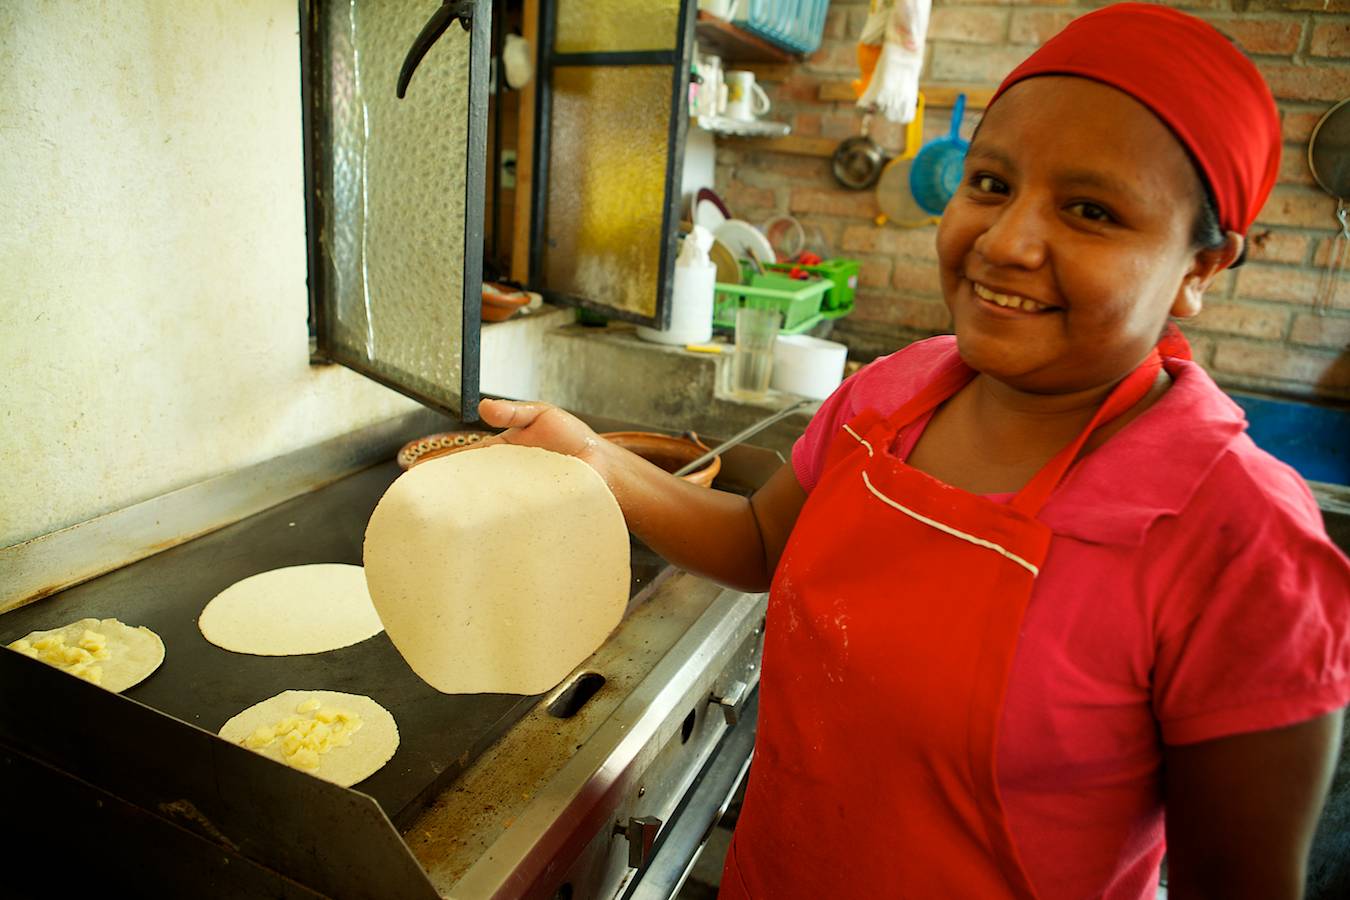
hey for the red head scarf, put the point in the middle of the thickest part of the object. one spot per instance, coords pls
(1193, 79)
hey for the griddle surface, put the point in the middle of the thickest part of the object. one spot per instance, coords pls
(200, 683)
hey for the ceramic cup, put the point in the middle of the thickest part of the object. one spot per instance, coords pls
(746, 100)
(711, 99)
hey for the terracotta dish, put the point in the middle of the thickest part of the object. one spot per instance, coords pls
(501, 303)
(435, 445)
(670, 453)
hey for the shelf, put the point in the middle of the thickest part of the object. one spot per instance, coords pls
(743, 128)
(935, 96)
(735, 45)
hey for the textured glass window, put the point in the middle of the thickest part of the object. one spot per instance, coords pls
(607, 184)
(392, 191)
(613, 82)
(607, 26)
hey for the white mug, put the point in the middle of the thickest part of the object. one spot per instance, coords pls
(745, 99)
(711, 98)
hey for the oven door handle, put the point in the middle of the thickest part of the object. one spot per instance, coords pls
(686, 832)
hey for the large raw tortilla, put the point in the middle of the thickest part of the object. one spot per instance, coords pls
(292, 611)
(498, 570)
(133, 652)
(371, 747)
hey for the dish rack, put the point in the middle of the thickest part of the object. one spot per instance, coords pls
(842, 275)
(794, 25)
(799, 301)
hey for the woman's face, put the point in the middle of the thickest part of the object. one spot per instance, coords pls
(1069, 241)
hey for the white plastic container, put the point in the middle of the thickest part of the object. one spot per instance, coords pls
(691, 301)
(807, 366)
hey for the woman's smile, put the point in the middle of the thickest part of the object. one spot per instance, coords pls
(1007, 303)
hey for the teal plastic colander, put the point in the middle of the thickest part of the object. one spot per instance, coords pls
(935, 174)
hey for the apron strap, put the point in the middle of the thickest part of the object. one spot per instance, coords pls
(1130, 391)
(950, 378)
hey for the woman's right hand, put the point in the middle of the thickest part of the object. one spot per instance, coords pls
(531, 424)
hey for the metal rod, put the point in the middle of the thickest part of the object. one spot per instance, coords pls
(741, 436)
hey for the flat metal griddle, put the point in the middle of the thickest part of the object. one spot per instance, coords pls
(199, 683)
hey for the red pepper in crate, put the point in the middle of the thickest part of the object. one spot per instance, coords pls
(807, 258)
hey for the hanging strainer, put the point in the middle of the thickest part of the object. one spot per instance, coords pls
(1329, 159)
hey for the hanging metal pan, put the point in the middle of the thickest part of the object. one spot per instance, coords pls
(1329, 151)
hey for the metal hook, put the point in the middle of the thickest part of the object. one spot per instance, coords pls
(431, 32)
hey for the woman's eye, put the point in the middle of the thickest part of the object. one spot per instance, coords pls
(1090, 211)
(988, 184)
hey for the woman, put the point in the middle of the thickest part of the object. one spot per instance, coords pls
(1039, 608)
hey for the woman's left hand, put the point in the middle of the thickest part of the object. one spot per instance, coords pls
(1242, 810)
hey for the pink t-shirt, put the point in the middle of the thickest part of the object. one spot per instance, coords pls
(1190, 593)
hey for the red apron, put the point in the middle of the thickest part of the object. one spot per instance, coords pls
(893, 619)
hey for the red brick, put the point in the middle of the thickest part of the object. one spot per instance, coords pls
(875, 273)
(1327, 246)
(1297, 127)
(1325, 372)
(1294, 169)
(1330, 39)
(888, 134)
(911, 243)
(843, 125)
(1293, 82)
(1036, 26)
(857, 18)
(800, 86)
(731, 155)
(774, 171)
(1202, 345)
(1264, 245)
(1322, 6)
(1261, 35)
(1238, 318)
(806, 124)
(740, 197)
(1321, 331)
(968, 26)
(1008, 2)
(1283, 283)
(837, 23)
(835, 57)
(886, 308)
(841, 202)
(1299, 207)
(916, 278)
(970, 63)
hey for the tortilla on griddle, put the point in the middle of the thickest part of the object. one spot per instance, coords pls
(292, 611)
(369, 749)
(133, 652)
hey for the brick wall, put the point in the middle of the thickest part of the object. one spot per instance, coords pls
(1259, 329)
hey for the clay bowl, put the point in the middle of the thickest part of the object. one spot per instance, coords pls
(437, 445)
(670, 453)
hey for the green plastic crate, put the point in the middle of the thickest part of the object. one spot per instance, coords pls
(799, 301)
(843, 277)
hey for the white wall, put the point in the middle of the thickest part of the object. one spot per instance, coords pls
(152, 255)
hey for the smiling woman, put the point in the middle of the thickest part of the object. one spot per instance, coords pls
(1039, 608)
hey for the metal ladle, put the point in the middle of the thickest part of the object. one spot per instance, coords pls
(739, 437)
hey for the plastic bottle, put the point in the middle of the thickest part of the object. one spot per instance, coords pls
(691, 301)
